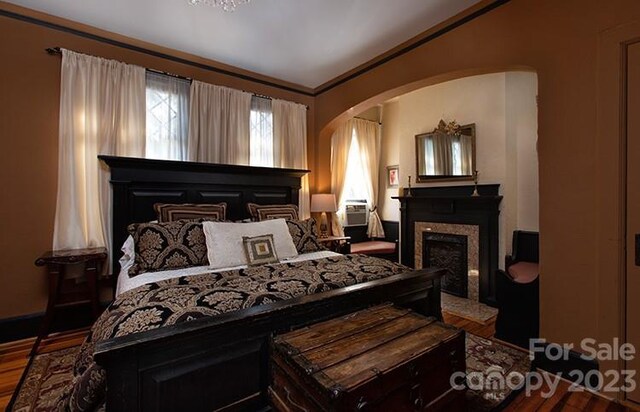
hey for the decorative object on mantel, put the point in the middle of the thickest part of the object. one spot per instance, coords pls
(475, 184)
(409, 188)
(324, 203)
(227, 5)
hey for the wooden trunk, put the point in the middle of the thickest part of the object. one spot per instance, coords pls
(379, 359)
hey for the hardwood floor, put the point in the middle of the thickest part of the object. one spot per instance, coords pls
(13, 360)
(561, 400)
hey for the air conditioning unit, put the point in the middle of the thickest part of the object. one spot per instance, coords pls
(356, 214)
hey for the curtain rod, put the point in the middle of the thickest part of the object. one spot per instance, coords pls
(367, 120)
(57, 51)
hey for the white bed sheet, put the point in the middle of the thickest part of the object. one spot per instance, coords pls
(126, 283)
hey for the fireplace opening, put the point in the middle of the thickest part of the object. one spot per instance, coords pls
(448, 251)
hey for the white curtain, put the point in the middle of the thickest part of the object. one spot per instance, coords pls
(442, 153)
(466, 154)
(167, 117)
(219, 124)
(261, 134)
(340, 146)
(102, 111)
(368, 135)
(290, 144)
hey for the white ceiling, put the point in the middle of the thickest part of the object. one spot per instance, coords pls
(307, 42)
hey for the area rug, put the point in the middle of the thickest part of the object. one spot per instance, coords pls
(489, 363)
(50, 373)
(468, 309)
(47, 376)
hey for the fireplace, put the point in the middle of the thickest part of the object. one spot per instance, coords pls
(443, 250)
(451, 210)
(454, 247)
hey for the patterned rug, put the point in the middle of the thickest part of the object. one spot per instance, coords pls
(467, 308)
(50, 373)
(47, 376)
(489, 363)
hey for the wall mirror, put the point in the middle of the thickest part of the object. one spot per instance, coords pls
(447, 153)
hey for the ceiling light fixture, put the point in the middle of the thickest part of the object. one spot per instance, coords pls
(227, 5)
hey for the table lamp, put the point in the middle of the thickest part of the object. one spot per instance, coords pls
(323, 203)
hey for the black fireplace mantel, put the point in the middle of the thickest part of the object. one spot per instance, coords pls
(455, 205)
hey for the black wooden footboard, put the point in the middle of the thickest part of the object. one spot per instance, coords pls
(221, 363)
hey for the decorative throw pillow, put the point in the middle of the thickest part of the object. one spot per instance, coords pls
(170, 212)
(260, 250)
(305, 235)
(169, 245)
(266, 212)
(224, 241)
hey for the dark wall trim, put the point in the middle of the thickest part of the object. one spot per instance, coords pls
(149, 52)
(27, 326)
(316, 92)
(413, 46)
(575, 362)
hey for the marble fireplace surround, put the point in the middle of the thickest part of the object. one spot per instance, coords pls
(472, 232)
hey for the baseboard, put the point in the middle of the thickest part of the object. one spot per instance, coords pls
(28, 326)
(575, 361)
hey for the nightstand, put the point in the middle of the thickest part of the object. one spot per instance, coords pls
(338, 244)
(57, 261)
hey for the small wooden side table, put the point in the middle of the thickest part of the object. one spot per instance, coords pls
(339, 244)
(56, 262)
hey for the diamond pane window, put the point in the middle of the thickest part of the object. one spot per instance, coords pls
(167, 117)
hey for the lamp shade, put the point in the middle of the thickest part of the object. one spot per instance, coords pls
(325, 202)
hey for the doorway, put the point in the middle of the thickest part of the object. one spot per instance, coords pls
(631, 121)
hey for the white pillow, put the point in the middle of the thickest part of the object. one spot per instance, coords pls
(128, 254)
(224, 241)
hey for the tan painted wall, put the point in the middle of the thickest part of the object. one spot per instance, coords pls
(503, 108)
(558, 40)
(521, 116)
(29, 102)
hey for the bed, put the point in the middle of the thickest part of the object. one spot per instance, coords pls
(221, 362)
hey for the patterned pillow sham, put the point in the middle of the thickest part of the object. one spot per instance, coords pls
(260, 250)
(168, 245)
(266, 212)
(170, 212)
(305, 235)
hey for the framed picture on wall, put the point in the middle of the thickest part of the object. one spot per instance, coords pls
(393, 176)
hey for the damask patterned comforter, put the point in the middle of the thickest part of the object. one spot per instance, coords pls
(187, 298)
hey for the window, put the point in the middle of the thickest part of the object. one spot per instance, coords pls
(261, 132)
(355, 183)
(456, 154)
(167, 128)
(167, 117)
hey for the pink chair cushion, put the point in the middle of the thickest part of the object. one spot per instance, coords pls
(524, 272)
(373, 247)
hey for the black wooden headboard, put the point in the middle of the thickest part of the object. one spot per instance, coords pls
(139, 183)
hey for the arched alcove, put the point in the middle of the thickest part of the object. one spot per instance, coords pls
(502, 105)
(327, 129)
